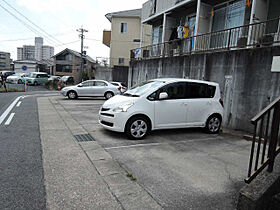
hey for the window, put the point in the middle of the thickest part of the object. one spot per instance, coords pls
(66, 57)
(2, 56)
(41, 76)
(2, 64)
(200, 90)
(175, 90)
(63, 68)
(121, 61)
(157, 35)
(123, 27)
(87, 84)
(136, 40)
(99, 83)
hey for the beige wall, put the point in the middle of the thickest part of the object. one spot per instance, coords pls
(6, 60)
(122, 43)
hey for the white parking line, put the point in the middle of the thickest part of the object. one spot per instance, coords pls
(7, 111)
(156, 144)
(10, 119)
(19, 103)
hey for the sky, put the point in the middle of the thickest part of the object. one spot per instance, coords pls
(60, 19)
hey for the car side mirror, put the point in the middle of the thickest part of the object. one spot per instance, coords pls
(163, 95)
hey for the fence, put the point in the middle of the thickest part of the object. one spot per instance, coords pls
(266, 134)
(258, 34)
(14, 87)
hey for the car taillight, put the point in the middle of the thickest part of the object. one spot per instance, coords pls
(221, 102)
(119, 88)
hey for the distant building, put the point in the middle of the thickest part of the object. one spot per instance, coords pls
(38, 51)
(47, 52)
(68, 63)
(38, 48)
(27, 66)
(125, 35)
(5, 61)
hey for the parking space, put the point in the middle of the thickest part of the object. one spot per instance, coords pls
(181, 168)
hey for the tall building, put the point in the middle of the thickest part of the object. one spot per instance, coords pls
(20, 53)
(38, 48)
(47, 52)
(38, 51)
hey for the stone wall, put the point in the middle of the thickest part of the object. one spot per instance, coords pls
(246, 81)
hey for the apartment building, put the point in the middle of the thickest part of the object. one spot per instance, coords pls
(5, 61)
(38, 51)
(179, 19)
(125, 34)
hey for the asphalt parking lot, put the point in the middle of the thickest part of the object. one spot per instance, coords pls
(181, 168)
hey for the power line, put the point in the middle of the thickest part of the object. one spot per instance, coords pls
(25, 24)
(55, 39)
(67, 43)
(11, 40)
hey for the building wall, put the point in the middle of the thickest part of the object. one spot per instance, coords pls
(246, 81)
(122, 43)
(38, 48)
(47, 52)
(19, 53)
(5, 61)
(31, 67)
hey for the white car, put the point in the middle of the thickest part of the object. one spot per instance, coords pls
(121, 86)
(91, 88)
(164, 104)
(18, 78)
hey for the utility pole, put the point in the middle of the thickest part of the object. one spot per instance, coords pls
(82, 36)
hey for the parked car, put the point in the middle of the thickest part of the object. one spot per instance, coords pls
(121, 86)
(6, 74)
(91, 88)
(68, 80)
(52, 77)
(37, 78)
(17, 78)
(164, 104)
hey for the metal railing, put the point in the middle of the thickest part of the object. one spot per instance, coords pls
(266, 135)
(258, 34)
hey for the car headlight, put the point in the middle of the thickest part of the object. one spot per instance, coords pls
(123, 107)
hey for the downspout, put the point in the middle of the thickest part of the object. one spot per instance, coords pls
(252, 17)
(197, 20)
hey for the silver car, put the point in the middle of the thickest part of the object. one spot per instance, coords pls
(91, 88)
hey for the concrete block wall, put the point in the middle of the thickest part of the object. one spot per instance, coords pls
(246, 81)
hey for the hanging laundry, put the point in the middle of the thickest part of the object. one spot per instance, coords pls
(186, 30)
(180, 32)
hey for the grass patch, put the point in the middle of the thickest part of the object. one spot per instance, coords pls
(132, 178)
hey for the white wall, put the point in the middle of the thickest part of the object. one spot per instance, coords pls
(30, 67)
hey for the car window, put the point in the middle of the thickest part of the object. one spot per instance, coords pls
(199, 90)
(99, 83)
(114, 84)
(123, 84)
(87, 84)
(175, 90)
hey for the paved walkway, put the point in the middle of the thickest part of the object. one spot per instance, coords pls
(82, 175)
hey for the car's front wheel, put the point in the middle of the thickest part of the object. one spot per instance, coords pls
(137, 127)
(72, 95)
(213, 124)
(35, 83)
(108, 95)
(19, 81)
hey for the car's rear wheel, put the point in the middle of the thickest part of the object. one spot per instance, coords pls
(108, 95)
(137, 128)
(72, 95)
(213, 124)
(19, 81)
(35, 83)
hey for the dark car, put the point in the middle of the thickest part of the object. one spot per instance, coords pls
(67, 80)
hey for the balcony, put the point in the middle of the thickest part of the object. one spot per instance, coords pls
(260, 34)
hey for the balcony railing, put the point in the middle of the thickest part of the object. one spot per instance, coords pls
(260, 34)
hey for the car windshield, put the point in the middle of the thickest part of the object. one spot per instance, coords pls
(64, 78)
(142, 88)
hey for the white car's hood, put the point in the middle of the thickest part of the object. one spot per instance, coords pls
(13, 77)
(118, 100)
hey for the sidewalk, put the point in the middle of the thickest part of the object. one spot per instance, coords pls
(82, 175)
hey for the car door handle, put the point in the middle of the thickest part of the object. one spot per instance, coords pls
(184, 104)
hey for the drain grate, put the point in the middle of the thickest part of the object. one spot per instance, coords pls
(84, 137)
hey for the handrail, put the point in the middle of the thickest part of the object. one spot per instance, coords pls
(265, 110)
